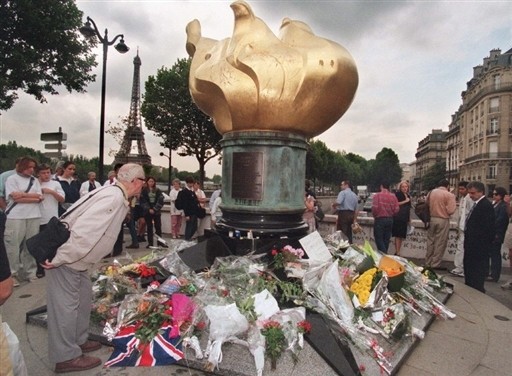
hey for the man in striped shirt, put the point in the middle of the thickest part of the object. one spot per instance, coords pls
(384, 207)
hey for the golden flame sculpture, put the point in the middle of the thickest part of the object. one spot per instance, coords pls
(297, 83)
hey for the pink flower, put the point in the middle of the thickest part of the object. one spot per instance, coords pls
(271, 324)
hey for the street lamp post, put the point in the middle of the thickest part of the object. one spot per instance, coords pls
(162, 154)
(91, 32)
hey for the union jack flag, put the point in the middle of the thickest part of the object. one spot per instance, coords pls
(163, 350)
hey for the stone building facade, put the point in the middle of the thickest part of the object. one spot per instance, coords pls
(431, 150)
(478, 144)
(485, 119)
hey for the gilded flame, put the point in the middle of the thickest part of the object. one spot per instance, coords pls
(297, 82)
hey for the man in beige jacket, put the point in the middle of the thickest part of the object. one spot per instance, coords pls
(442, 205)
(94, 227)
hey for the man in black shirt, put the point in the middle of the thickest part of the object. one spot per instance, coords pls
(188, 202)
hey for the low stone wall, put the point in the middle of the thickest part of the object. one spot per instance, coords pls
(414, 246)
(166, 222)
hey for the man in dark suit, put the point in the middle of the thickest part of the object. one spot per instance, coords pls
(478, 237)
(188, 202)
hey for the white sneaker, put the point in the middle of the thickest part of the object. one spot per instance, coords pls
(16, 283)
(457, 272)
(507, 285)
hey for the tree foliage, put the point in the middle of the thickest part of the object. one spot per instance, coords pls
(434, 174)
(41, 49)
(10, 151)
(325, 167)
(384, 168)
(328, 168)
(170, 112)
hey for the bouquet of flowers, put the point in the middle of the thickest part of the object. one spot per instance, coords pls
(368, 288)
(393, 320)
(286, 255)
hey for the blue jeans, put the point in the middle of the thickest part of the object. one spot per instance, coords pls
(382, 233)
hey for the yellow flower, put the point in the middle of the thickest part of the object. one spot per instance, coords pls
(362, 285)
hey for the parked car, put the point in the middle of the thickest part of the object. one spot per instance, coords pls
(367, 207)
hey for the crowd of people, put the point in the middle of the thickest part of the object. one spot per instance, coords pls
(31, 194)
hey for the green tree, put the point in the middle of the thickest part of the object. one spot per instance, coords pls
(170, 112)
(433, 175)
(385, 167)
(10, 151)
(217, 179)
(41, 49)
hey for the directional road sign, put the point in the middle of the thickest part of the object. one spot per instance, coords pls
(58, 146)
(54, 136)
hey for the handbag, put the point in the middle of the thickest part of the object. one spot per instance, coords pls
(422, 210)
(356, 228)
(319, 213)
(201, 212)
(43, 246)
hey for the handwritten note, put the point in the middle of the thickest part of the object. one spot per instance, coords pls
(315, 247)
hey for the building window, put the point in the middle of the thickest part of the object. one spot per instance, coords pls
(497, 81)
(493, 149)
(494, 126)
(494, 104)
(492, 171)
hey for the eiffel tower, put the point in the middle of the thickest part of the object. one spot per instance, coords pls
(133, 132)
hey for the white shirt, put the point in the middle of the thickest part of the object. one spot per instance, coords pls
(19, 183)
(107, 183)
(200, 196)
(50, 206)
(465, 205)
(216, 212)
(215, 194)
(84, 188)
(173, 195)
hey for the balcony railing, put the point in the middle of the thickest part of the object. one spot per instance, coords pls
(484, 156)
(489, 89)
(493, 132)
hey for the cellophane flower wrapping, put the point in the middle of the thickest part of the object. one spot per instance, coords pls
(173, 263)
(393, 320)
(226, 322)
(418, 292)
(323, 283)
(109, 290)
(337, 242)
(289, 319)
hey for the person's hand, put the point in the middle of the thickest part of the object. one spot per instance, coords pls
(17, 195)
(187, 218)
(47, 265)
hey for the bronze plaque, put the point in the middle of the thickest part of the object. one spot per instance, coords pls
(247, 175)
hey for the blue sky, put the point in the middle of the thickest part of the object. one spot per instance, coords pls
(414, 59)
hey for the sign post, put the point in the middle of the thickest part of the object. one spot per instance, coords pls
(59, 146)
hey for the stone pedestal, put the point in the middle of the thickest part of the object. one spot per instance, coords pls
(263, 175)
